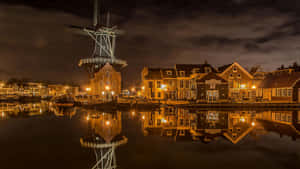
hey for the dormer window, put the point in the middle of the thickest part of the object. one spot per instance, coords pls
(196, 70)
(169, 72)
(182, 73)
(207, 69)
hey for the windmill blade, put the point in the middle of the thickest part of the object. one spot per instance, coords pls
(79, 30)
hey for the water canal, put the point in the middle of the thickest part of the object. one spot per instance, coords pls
(39, 136)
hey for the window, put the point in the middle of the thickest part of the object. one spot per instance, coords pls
(284, 92)
(196, 70)
(182, 73)
(187, 84)
(207, 69)
(107, 74)
(159, 94)
(170, 83)
(289, 92)
(181, 84)
(234, 69)
(158, 84)
(150, 84)
(152, 94)
(239, 75)
(158, 122)
(231, 75)
(169, 72)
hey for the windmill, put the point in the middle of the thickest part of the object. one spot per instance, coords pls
(104, 37)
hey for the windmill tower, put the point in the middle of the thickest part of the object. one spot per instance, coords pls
(104, 38)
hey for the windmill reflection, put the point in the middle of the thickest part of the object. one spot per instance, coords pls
(104, 136)
(207, 126)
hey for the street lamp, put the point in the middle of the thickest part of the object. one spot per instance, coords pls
(133, 89)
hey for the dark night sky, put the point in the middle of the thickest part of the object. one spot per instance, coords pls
(34, 42)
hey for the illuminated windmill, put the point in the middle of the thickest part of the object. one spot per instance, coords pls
(104, 137)
(104, 37)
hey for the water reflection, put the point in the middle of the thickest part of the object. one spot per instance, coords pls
(207, 125)
(20, 110)
(104, 136)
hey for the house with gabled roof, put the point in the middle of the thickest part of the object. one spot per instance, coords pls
(211, 88)
(241, 83)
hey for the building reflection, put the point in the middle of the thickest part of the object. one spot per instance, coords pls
(63, 111)
(103, 125)
(104, 136)
(16, 110)
(13, 110)
(285, 123)
(209, 125)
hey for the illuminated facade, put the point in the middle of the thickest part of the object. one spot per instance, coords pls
(241, 83)
(178, 83)
(106, 83)
(280, 86)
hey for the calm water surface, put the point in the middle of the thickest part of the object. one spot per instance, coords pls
(36, 136)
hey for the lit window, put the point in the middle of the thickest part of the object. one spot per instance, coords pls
(182, 73)
(150, 84)
(169, 72)
(158, 84)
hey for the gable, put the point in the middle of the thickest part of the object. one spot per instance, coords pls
(238, 67)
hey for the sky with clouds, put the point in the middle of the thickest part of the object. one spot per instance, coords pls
(35, 43)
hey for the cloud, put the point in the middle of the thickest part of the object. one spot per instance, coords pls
(35, 43)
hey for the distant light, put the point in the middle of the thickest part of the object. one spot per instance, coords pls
(253, 123)
(163, 86)
(112, 93)
(41, 111)
(133, 113)
(243, 86)
(88, 89)
(88, 118)
(103, 93)
(107, 88)
(107, 123)
(164, 120)
(133, 89)
(139, 93)
(243, 119)
(253, 87)
(3, 114)
(143, 117)
(143, 87)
